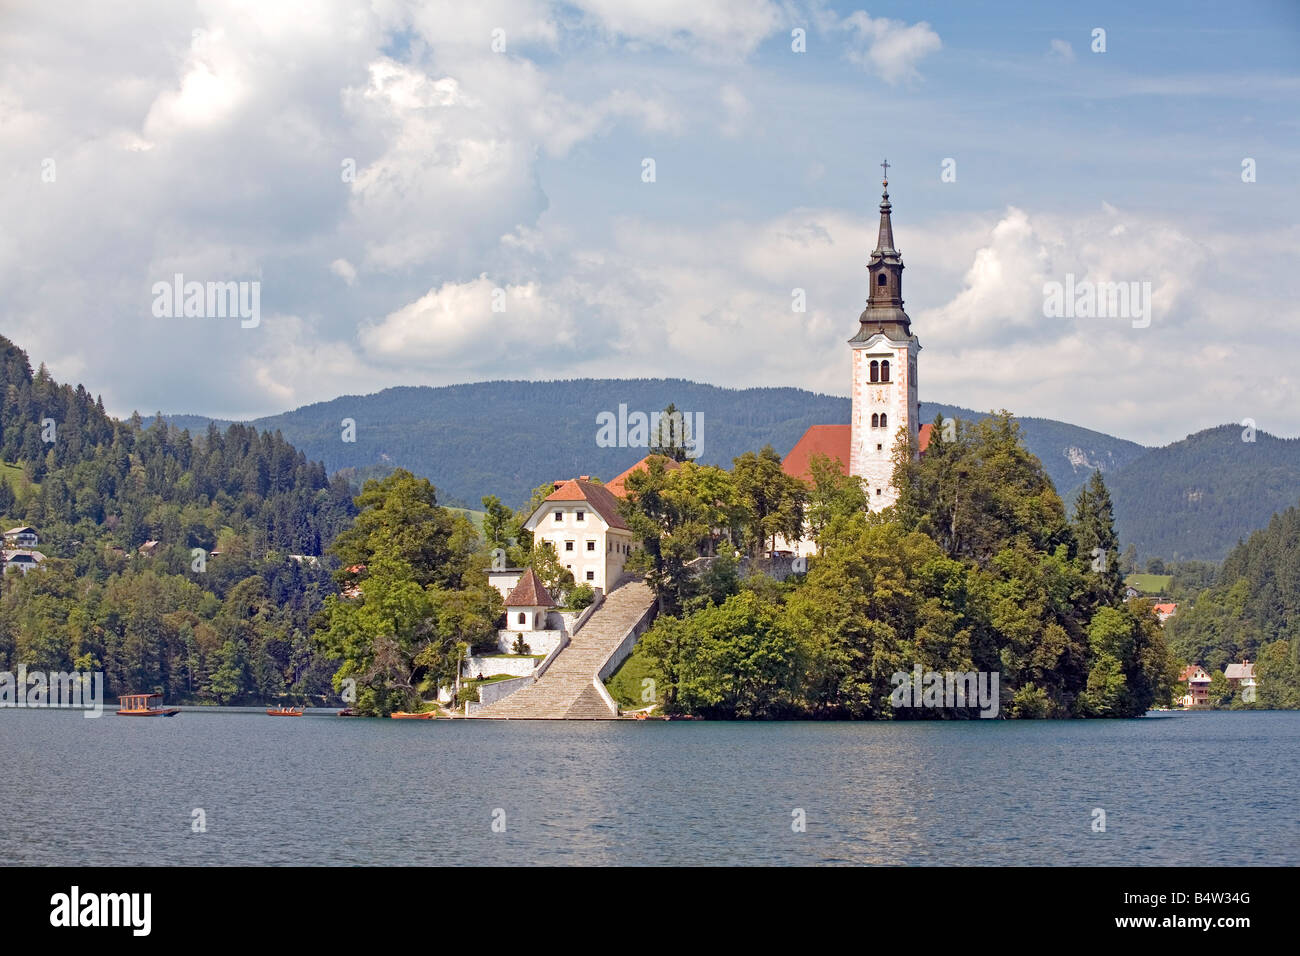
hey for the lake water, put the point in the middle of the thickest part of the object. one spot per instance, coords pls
(1177, 788)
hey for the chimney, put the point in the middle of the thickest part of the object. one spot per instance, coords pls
(584, 477)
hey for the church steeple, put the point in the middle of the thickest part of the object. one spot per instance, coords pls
(884, 311)
(885, 242)
(886, 406)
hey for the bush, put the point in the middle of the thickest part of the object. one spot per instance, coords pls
(520, 646)
(581, 597)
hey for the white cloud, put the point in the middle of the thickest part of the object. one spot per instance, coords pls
(344, 270)
(889, 48)
(722, 28)
(736, 107)
(1061, 50)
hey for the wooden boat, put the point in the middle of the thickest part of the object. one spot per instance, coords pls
(284, 711)
(138, 705)
(347, 712)
(403, 715)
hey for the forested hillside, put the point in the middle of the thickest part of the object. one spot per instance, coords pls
(1197, 498)
(127, 516)
(505, 438)
(1252, 613)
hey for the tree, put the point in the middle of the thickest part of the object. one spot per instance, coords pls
(733, 660)
(499, 523)
(773, 500)
(400, 516)
(671, 434)
(546, 562)
(1096, 543)
(879, 601)
(834, 494)
(980, 491)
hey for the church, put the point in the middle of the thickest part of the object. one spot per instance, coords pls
(884, 394)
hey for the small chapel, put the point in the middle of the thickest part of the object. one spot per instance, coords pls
(884, 391)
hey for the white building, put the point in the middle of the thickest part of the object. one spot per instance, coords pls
(883, 389)
(21, 538)
(580, 520)
(23, 561)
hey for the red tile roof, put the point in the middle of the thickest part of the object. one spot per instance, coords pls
(529, 592)
(598, 496)
(832, 441)
(618, 486)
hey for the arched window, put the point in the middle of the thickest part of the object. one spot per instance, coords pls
(880, 279)
(537, 620)
(875, 371)
(884, 420)
(884, 370)
(523, 618)
(875, 420)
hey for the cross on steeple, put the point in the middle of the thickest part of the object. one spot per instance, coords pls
(885, 167)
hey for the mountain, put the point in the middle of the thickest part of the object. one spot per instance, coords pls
(505, 438)
(1197, 498)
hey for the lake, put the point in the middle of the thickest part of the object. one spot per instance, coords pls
(1217, 788)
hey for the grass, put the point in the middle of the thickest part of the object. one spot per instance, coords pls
(14, 474)
(475, 516)
(1150, 583)
(625, 686)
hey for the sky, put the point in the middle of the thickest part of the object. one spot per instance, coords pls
(434, 193)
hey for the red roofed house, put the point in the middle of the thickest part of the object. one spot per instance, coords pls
(884, 385)
(1165, 611)
(618, 486)
(581, 521)
(1198, 686)
(528, 604)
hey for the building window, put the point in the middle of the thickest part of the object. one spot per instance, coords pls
(880, 279)
(579, 515)
(537, 620)
(884, 419)
(880, 448)
(591, 545)
(875, 371)
(591, 575)
(877, 491)
(523, 618)
(875, 420)
(559, 516)
(568, 546)
(884, 370)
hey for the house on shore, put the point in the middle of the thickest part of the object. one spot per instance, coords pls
(580, 520)
(1242, 677)
(1198, 686)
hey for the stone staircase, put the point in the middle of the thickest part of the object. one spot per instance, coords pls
(567, 691)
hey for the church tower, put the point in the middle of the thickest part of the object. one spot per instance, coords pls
(884, 369)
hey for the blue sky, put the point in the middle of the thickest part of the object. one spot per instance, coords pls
(207, 138)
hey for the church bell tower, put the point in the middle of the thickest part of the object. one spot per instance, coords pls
(884, 369)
